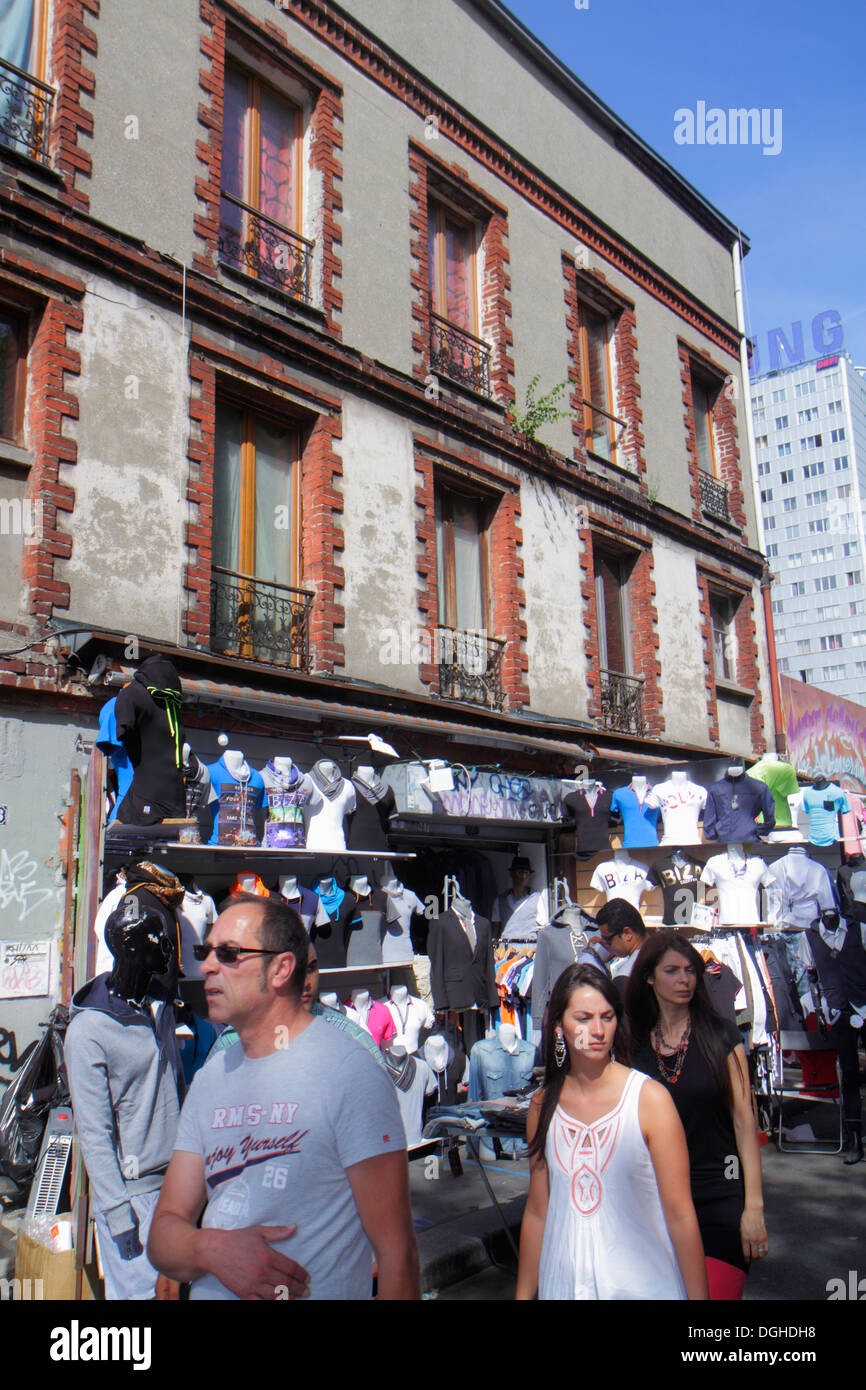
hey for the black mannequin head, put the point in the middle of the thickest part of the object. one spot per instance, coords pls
(140, 947)
(821, 781)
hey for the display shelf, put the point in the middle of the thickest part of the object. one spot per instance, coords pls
(210, 858)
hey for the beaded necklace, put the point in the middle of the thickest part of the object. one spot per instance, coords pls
(672, 1075)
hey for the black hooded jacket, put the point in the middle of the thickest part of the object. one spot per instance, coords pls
(147, 717)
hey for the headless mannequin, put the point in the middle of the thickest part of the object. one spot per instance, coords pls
(639, 786)
(247, 883)
(284, 767)
(328, 885)
(366, 774)
(436, 1053)
(622, 856)
(735, 770)
(820, 782)
(507, 1035)
(680, 778)
(290, 889)
(237, 764)
(331, 1001)
(361, 886)
(361, 1002)
(737, 855)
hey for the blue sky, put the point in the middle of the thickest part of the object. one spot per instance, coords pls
(803, 209)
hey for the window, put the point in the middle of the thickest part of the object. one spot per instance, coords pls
(860, 668)
(789, 504)
(758, 415)
(798, 588)
(833, 379)
(813, 470)
(260, 207)
(832, 642)
(811, 441)
(772, 552)
(844, 490)
(256, 610)
(805, 388)
(781, 422)
(787, 475)
(25, 103)
(857, 607)
(761, 441)
(816, 499)
(850, 548)
(804, 646)
(767, 495)
(827, 613)
(804, 416)
(833, 673)
(782, 663)
(853, 577)
(857, 639)
(821, 555)
(763, 469)
(782, 449)
(778, 606)
(795, 558)
(834, 407)
(769, 523)
(827, 581)
(817, 527)
(840, 463)
(13, 348)
(791, 532)
(595, 346)
(837, 436)
(722, 614)
(780, 395)
(462, 561)
(613, 612)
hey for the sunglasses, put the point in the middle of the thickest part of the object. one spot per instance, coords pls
(229, 955)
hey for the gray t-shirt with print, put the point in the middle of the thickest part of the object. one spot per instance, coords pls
(277, 1134)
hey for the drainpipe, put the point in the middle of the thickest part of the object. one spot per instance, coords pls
(766, 578)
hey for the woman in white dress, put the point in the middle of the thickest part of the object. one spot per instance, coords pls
(609, 1213)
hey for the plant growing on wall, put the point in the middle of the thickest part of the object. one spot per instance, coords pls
(537, 411)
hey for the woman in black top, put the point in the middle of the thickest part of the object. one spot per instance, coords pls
(680, 1040)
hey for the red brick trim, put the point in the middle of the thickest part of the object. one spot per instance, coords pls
(508, 597)
(52, 361)
(644, 616)
(325, 142)
(333, 28)
(321, 508)
(429, 176)
(709, 669)
(71, 40)
(724, 432)
(631, 451)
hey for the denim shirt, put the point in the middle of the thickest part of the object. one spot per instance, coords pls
(493, 1071)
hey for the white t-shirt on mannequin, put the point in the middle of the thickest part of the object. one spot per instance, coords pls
(410, 1015)
(325, 815)
(195, 914)
(104, 958)
(737, 879)
(681, 803)
(622, 878)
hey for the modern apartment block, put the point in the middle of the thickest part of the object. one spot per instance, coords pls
(810, 435)
(275, 277)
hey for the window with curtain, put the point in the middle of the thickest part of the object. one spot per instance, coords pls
(13, 331)
(256, 506)
(22, 35)
(722, 614)
(702, 410)
(595, 340)
(260, 178)
(452, 247)
(462, 561)
(612, 612)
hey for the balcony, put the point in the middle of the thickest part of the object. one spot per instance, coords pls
(260, 620)
(470, 666)
(622, 703)
(251, 242)
(459, 355)
(25, 112)
(604, 434)
(714, 497)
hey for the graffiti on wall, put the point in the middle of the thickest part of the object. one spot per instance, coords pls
(18, 885)
(25, 968)
(824, 733)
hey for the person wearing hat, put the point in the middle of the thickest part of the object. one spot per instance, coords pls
(516, 912)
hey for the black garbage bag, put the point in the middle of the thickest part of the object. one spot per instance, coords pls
(39, 1084)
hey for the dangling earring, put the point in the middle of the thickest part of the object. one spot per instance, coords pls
(560, 1052)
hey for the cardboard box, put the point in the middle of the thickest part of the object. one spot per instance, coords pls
(47, 1274)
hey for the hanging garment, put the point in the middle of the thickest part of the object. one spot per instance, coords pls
(147, 723)
(800, 891)
(605, 1236)
(285, 798)
(854, 825)
(108, 740)
(374, 806)
(785, 994)
(377, 1022)
(722, 985)
(840, 962)
(737, 883)
(364, 932)
(401, 905)
(618, 878)
(681, 804)
(733, 807)
(461, 972)
(782, 782)
(557, 947)
(678, 879)
(453, 1074)
(851, 883)
(414, 1081)
(330, 938)
(589, 809)
(410, 1019)
(639, 817)
(241, 801)
(824, 805)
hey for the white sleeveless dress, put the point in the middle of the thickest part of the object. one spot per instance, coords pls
(605, 1235)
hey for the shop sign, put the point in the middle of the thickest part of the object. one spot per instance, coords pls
(481, 794)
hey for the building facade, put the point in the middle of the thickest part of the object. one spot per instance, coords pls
(810, 435)
(277, 286)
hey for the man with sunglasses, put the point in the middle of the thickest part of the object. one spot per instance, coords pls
(620, 937)
(290, 1141)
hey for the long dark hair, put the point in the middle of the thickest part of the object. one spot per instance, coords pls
(643, 1010)
(574, 977)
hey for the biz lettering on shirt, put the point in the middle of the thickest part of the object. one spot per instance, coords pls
(233, 1117)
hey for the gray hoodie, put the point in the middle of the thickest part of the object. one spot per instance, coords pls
(122, 1065)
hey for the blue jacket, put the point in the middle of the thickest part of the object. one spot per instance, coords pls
(733, 806)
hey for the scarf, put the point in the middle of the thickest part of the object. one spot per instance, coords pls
(330, 785)
(402, 1070)
(374, 791)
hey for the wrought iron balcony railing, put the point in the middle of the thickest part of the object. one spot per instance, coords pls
(622, 703)
(258, 245)
(470, 666)
(459, 355)
(714, 496)
(25, 112)
(259, 619)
